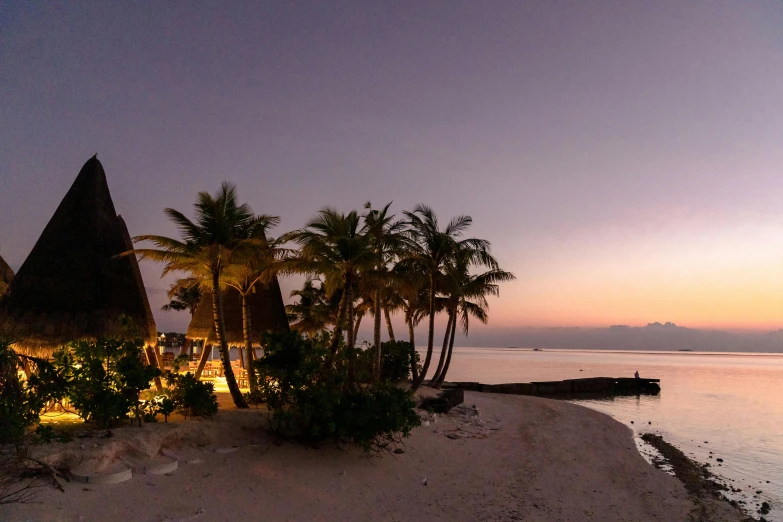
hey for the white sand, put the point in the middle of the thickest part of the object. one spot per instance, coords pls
(522, 458)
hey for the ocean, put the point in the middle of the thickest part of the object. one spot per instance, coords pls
(712, 406)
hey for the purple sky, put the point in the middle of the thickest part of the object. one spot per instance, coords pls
(624, 158)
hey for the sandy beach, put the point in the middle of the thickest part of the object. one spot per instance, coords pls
(520, 458)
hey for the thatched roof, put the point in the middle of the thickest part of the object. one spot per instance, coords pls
(72, 286)
(267, 313)
(6, 275)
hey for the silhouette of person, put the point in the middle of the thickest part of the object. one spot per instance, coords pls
(636, 374)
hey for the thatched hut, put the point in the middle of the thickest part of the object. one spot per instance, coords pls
(267, 313)
(72, 285)
(6, 275)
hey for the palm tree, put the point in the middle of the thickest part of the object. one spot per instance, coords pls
(334, 245)
(183, 296)
(244, 277)
(459, 286)
(314, 311)
(412, 292)
(385, 241)
(224, 233)
(392, 302)
(364, 305)
(476, 287)
(431, 248)
(449, 304)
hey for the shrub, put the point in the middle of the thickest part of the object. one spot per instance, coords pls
(189, 396)
(105, 379)
(22, 402)
(314, 405)
(395, 362)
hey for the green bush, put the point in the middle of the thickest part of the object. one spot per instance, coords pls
(395, 362)
(105, 379)
(16, 410)
(189, 396)
(22, 402)
(314, 404)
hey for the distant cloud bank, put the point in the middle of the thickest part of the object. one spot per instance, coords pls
(653, 337)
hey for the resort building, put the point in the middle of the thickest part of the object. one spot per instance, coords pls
(265, 306)
(74, 285)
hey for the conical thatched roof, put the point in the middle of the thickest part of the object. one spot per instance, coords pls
(6, 275)
(267, 312)
(72, 286)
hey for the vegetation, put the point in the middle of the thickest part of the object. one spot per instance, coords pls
(395, 362)
(313, 405)
(318, 385)
(355, 264)
(104, 379)
(183, 295)
(224, 233)
(189, 396)
(22, 402)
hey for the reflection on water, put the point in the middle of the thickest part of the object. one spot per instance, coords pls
(727, 406)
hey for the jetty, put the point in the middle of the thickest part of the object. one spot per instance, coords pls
(569, 388)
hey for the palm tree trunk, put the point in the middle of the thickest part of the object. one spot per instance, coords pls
(414, 370)
(351, 338)
(185, 345)
(444, 349)
(356, 326)
(388, 324)
(241, 356)
(448, 357)
(251, 371)
(338, 330)
(430, 334)
(202, 362)
(350, 312)
(220, 329)
(376, 309)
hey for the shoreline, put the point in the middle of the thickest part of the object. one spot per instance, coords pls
(520, 458)
(696, 477)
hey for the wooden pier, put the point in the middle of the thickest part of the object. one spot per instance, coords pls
(569, 388)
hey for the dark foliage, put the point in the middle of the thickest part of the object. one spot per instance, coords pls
(189, 396)
(105, 378)
(395, 362)
(21, 403)
(316, 405)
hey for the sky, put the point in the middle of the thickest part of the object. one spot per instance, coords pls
(623, 157)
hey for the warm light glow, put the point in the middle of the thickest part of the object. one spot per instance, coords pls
(60, 418)
(726, 278)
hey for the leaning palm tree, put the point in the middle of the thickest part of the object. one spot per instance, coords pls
(459, 286)
(430, 247)
(473, 302)
(333, 245)
(222, 234)
(449, 303)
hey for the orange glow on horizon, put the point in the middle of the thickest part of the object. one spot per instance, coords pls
(730, 279)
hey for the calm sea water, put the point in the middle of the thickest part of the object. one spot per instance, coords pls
(711, 405)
